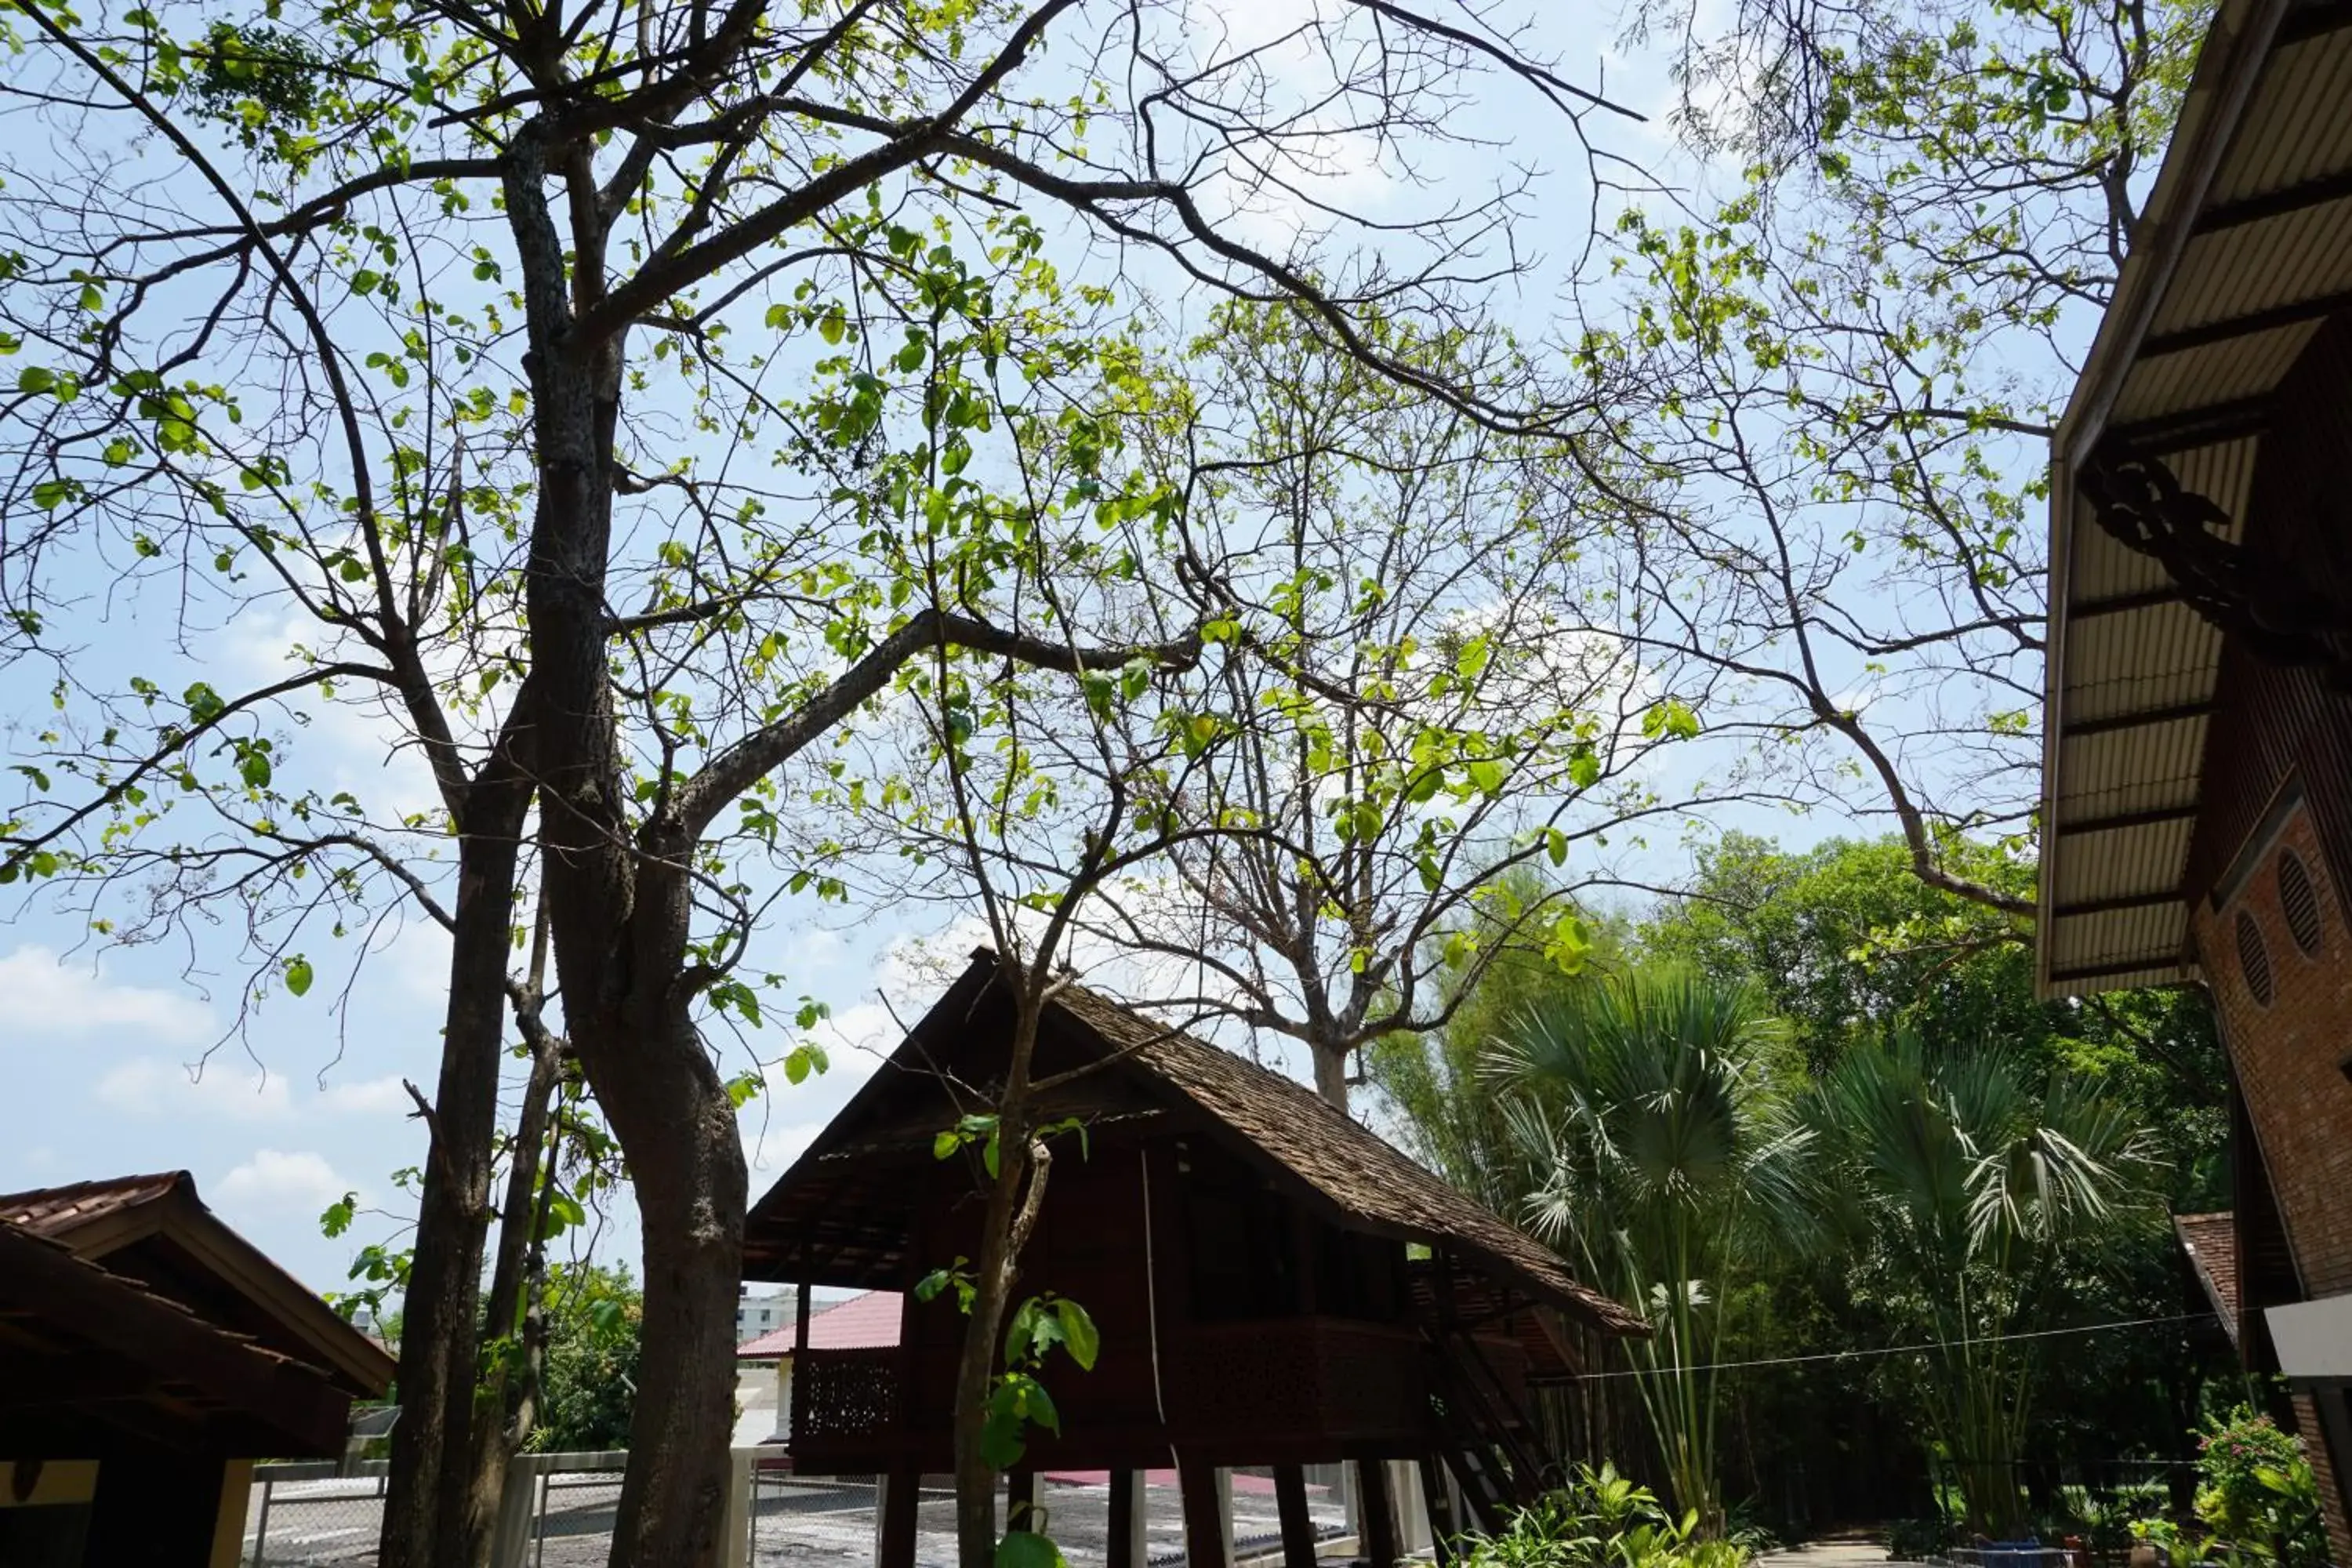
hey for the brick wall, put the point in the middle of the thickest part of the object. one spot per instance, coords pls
(2290, 1052)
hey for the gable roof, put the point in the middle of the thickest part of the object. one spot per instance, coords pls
(866, 1322)
(155, 1230)
(2242, 253)
(2210, 1240)
(1281, 1126)
(91, 1355)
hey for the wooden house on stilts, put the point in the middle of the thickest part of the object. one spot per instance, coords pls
(1275, 1285)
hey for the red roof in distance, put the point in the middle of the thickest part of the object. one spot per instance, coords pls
(866, 1322)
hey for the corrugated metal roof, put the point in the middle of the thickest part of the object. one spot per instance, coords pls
(2244, 247)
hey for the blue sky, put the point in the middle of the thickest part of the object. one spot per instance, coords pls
(124, 1060)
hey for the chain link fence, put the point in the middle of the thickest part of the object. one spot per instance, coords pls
(559, 1509)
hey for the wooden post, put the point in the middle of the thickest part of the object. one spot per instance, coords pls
(1021, 1500)
(902, 1489)
(1297, 1528)
(1443, 1526)
(1205, 1516)
(1125, 1548)
(1374, 1502)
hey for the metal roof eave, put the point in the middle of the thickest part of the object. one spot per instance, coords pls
(2231, 63)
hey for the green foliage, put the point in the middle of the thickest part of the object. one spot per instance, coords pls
(2257, 1493)
(588, 1387)
(1969, 1201)
(1600, 1520)
(1644, 1108)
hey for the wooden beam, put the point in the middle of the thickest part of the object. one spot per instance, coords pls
(2115, 821)
(1443, 1526)
(1205, 1516)
(1021, 1500)
(2103, 971)
(2124, 604)
(1376, 1507)
(2118, 903)
(2074, 729)
(1298, 1525)
(2185, 429)
(1125, 1547)
(895, 1543)
(2291, 313)
(2275, 204)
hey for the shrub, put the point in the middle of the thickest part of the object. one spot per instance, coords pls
(2257, 1491)
(1600, 1520)
(1917, 1540)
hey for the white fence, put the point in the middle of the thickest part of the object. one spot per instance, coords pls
(558, 1512)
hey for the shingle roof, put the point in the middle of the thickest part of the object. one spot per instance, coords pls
(55, 1211)
(2210, 1240)
(834, 1199)
(137, 1225)
(866, 1322)
(1348, 1164)
(59, 1297)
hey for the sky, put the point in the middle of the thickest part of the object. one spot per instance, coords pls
(121, 1060)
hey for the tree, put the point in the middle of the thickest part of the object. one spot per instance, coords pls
(479, 276)
(592, 1336)
(1857, 357)
(1429, 719)
(1971, 1204)
(1648, 1112)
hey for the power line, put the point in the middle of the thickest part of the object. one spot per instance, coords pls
(1917, 1349)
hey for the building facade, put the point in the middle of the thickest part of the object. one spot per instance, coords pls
(2197, 814)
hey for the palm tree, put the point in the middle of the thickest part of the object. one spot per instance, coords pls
(1965, 1195)
(1662, 1155)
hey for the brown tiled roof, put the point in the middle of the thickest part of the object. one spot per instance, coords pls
(57, 1211)
(203, 1370)
(1347, 1163)
(156, 1228)
(2210, 1240)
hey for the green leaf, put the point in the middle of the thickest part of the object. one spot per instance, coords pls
(36, 378)
(366, 282)
(1027, 1548)
(297, 976)
(1080, 1335)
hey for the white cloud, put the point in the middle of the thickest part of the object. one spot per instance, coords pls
(275, 1182)
(49, 996)
(149, 1086)
(153, 1087)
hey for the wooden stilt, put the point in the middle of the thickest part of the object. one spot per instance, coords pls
(1443, 1526)
(901, 1491)
(1125, 1548)
(1205, 1516)
(1376, 1503)
(1021, 1500)
(1297, 1529)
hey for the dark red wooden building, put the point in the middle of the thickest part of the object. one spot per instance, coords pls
(2197, 814)
(148, 1355)
(1275, 1285)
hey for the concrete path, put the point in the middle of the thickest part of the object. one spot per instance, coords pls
(1828, 1554)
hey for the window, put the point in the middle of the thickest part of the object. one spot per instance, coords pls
(2254, 960)
(2299, 899)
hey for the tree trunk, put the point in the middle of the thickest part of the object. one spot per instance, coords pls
(505, 1413)
(671, 1112)
(431, 1467)
(1331, 1076)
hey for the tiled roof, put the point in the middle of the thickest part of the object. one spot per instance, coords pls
(55, 1211)
(2210, 1240)
(130, 1307)
(868, 1321)
(1348, 1164)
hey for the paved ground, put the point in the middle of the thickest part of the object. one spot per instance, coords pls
(797, 1523)
(1828, 1554)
